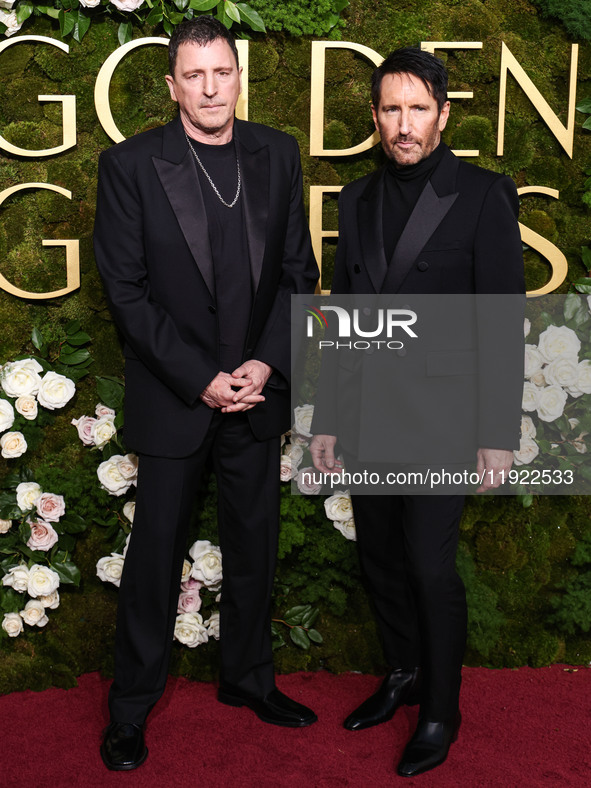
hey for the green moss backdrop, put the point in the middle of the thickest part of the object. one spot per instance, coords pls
(527, 571)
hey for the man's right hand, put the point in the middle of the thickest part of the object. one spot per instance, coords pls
(220, 394)
(322, 451)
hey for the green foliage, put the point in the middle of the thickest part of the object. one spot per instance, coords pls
(301, 17)
(575, 15)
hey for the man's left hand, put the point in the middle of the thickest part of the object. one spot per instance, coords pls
(258, 373)
(495, 464)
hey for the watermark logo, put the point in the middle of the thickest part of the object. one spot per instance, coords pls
(362, 327)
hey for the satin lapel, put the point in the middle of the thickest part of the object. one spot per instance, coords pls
(424, 220)
(181, 184)
(254, 166)
(370, 223)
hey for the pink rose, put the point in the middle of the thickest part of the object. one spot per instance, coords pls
(50, 507)
(43, 536)
(189, 602)
(102, 410)
(309, 481)
(84, 426)
(191, 585)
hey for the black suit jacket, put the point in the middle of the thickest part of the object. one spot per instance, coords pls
(462, 238)
(153, 253)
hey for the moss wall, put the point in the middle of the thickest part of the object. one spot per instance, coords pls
(517, 562)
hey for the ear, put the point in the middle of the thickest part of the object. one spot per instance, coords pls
(443, 116)
(374, 113)
(240, 79)
(170, 83)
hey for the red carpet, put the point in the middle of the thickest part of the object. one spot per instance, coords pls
(521, 728)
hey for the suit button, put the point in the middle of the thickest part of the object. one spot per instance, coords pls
(357, 269)
(366, 311)
(423, 266)
(211, 309)
(401, 352)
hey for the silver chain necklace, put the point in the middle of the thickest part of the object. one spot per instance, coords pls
(213, 186)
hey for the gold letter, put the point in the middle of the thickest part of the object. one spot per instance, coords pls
(72, 250)
(431, 46)
(557, 260)
(317, 98)
(316, 231)
(564, 135)
(103, 81)
(68, 108)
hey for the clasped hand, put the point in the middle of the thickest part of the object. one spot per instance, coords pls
(249, 378)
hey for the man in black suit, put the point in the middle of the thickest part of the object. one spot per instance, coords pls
(200, 239)
(426, 223)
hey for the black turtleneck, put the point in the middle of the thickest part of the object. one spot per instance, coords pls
(403, 186)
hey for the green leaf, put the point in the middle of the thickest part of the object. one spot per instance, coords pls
(181, 4)
(340, 5)
(37, 338)
(23, 11)
(586, 256)
(155, 16)
(72, 327)
(67, 23)
(222, 16)
(52, 12)
(202, 5)
(584, 106)
(168, 28)
(110, 391)
(124, 33)
(309, 618)
(24, 531)
(315, 636)
(587, 124)
(77, 357)
(73, 524)
(232, 11)
(251, 17)
(67, 570)
(526, 500)
(79, 338)
(300, 638)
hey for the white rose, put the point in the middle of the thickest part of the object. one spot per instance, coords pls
(128, 466)
(580, 446)
(127, 541)
(50, 601)
(583, 382)
(17, 377)
(558, 341)
(111, 478)
(6, 415)
(303, 420)
(34, 614)
(90, 3)
(50, 506)
(32, 364)
(129, 511)
(207, 564)
(528, 428)
(26, 495)
(127, 5)
(26, 405)
(347, 528)
(533, 360)
(12, 624)
(17, 577)
(306, 483)
(7, 3)
(551, 402)
(103, 430)
(538, 379)
(528, 451)
(563, 371)
(85, 425)
(296, 453)
(13, 445)
(531, 395)
(213, 625)
(42, 581)
(55, 391)
(109, 568)
(526, 327)
(189, 630)
(102, 410)
(338, 506)
(286, 469)
(43, 536)
(5, 526)
(186, 573)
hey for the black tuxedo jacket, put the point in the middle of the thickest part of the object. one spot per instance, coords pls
(462, 238)
(153, 253)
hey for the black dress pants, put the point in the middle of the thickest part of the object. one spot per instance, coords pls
(247, 474)
(407, 546)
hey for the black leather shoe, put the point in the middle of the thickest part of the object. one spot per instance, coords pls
(123, 746)
(400, 687)
(275, 707)
(429, 746)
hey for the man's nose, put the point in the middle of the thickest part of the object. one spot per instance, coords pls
(209, 86)
(405, 122)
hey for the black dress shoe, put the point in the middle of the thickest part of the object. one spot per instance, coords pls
(123, 746)
(429, 745)
(400, 687)
(275, 707)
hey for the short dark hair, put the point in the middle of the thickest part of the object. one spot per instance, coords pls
(412, 60)
(202, 30)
